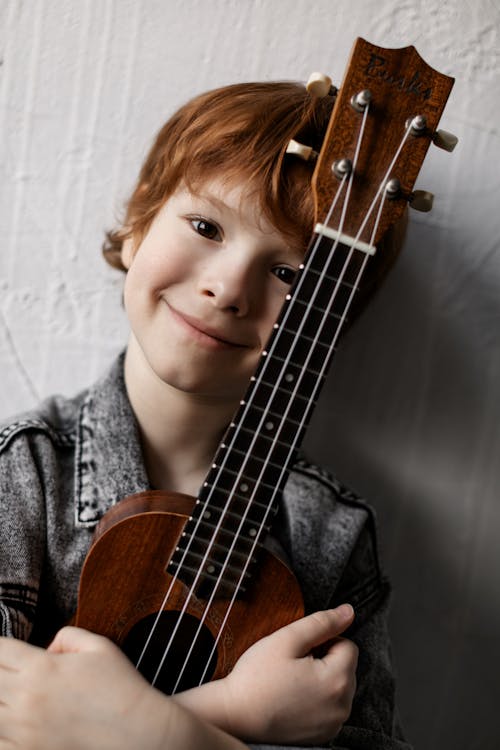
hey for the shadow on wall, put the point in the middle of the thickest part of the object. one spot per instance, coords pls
(410, 417)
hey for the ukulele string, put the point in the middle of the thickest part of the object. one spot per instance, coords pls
(257, 539)
(211, 542)
(221, 468)
(205, 505)
(238, 534)
(380, 197)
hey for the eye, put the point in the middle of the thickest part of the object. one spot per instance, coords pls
(206, 228)
(285, 274)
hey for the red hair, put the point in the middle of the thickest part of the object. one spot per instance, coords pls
(240, 133)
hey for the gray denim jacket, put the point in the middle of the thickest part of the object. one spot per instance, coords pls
(63, 465)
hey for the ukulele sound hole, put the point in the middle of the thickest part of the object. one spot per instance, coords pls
(133, 646)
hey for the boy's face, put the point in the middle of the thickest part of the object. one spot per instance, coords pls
(205, 287)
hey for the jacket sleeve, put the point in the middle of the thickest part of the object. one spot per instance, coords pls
(22, 532)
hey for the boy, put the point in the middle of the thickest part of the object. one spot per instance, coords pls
(213, 236)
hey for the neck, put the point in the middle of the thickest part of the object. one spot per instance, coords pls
(179, 431)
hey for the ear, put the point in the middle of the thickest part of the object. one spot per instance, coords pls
(127, 252)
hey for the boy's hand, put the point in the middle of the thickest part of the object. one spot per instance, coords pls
(279, 692)
(82, 693)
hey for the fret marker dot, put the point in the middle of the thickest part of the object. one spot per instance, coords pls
(269, 425)
(288, 297)
(244, 487)
(264, 353)
(252, 532)
(289, 377)
(275, 326)
(301, 266)
(207, 514)
(210, 568)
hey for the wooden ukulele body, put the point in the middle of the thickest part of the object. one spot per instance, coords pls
(126, 569)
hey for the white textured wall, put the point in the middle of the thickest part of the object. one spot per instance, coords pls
(411, 414)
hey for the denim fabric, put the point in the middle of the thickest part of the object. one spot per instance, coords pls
(63, 465)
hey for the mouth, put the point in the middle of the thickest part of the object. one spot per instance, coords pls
(204, 334)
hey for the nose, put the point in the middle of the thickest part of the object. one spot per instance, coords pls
(228, 284)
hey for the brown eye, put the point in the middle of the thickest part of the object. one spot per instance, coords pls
(285, 274)
(206, 229)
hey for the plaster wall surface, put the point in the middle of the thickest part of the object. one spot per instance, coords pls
(410, 414)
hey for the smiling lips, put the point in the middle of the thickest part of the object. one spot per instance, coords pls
(205, 334)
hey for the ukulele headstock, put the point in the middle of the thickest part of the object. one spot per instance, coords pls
(385, 116)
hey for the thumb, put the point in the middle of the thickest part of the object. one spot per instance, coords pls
(301, 636)
(71, 640)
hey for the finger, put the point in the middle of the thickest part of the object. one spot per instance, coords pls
(301, 636)
(74, 640)
(343, 654)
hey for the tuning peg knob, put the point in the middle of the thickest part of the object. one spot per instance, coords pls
(319, 85)
(422, 200)
(443, 139)
(301, 150)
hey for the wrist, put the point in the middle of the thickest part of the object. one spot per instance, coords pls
(211, 702)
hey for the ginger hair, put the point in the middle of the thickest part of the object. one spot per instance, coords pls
(240, 133)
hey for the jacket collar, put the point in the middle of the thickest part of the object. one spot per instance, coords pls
(108, 461)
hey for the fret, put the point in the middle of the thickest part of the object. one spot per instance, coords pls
(219, 495)
(231, 524)
(220, 549)
(253, 417)
(267, 440)
(290, 378)
(217, 560)
(211, 571)
(312, 340)
(300, 350)
(232, 481)
(340, 262)
(269, 453)
(210, 581)
(280, 402)
(314, 322)
(313, 276)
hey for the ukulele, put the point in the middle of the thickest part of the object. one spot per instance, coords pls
(184, 586)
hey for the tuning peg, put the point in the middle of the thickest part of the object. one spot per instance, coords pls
(443, 139)
(422, 200)
(301, 150)
(319, 85)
